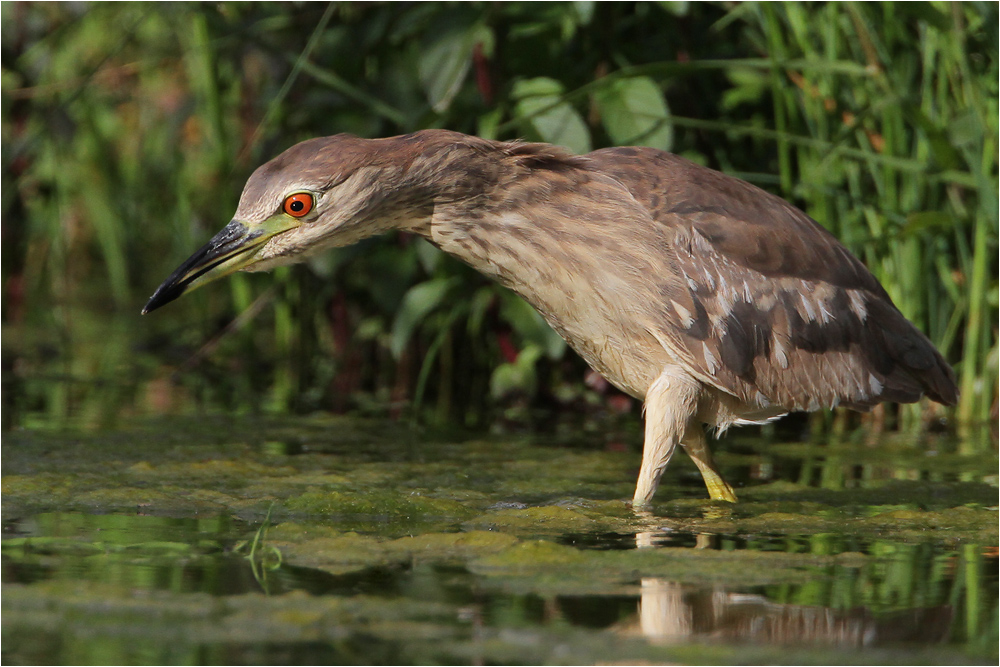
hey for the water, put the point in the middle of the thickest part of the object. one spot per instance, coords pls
(247, 540)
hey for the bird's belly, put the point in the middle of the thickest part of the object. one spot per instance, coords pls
(614, 344)
(623, 365)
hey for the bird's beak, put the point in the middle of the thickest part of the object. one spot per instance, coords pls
(232, 249)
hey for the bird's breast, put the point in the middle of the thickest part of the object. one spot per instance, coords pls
(586, 296)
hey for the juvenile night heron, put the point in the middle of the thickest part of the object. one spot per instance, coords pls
(711, 300)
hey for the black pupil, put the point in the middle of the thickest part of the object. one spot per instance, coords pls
(296, 206)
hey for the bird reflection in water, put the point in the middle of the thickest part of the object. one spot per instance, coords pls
(669, 611)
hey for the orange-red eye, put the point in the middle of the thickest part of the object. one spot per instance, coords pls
(298, 205)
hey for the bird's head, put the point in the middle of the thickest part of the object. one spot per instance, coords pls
(318, 194)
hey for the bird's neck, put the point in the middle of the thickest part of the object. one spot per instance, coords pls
(446, 178)
(438, 169)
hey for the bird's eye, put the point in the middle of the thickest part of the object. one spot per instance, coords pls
(298, 205)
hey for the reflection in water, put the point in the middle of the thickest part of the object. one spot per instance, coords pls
(669, 611)
(663, 614)
(904, 595)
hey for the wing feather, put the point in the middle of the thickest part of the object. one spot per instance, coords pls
(766, 304)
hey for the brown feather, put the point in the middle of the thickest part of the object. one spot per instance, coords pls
(778, 287)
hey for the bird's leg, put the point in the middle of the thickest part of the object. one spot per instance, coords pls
(696, 446)
(671, 402)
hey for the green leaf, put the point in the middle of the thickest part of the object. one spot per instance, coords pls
(488, 123)
(541, 108)
(965, 129)
(676, 7)
(517, 376)
(430, 255)
(445, 62)
(418, 303)
(941, 145)
(478, 305)
(928, 221)
(584, 11)
(749, 87)
(927, 12)
(531, 326)
(634, 112)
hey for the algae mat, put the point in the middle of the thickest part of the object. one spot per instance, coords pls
(329, 540)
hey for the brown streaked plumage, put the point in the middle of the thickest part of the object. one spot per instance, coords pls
(711, 300)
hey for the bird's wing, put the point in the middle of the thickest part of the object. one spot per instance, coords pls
(764, 303)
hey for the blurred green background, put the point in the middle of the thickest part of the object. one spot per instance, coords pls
(129, 130)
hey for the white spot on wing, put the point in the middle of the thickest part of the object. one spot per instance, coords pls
(824, 314)
(875, 385)
(806, 306)
(684, 314)
(859, 391)
(710, 361)
(782, 358)
(858, 304)
(724, 298)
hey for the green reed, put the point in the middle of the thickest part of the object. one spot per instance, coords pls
(129, 130)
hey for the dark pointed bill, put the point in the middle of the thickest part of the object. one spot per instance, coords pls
(211, 261)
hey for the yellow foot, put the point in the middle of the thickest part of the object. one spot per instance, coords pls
(718, 489)
(696, 447)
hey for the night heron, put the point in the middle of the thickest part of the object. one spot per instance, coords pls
(711, 300)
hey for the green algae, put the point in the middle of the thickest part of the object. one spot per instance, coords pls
(144, 516)
(330, 550)
(545, 519)
(546, 565)
(378, 503)
(536, 555)
(557, 568)
(350, 473)
(452, 547)
(338, 554)
(201, 618)
(922, 494)
(950, 512)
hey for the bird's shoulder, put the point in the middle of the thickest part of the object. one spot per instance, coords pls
(746, 225)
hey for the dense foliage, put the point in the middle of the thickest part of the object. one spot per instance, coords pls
(129, 129)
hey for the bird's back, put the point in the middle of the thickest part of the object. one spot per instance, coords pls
(762, 303)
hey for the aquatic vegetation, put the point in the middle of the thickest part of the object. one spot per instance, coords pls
(361, 539)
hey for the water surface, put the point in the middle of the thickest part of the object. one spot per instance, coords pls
(334, 540)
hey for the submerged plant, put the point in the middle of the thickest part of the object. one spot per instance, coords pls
(263, 557)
